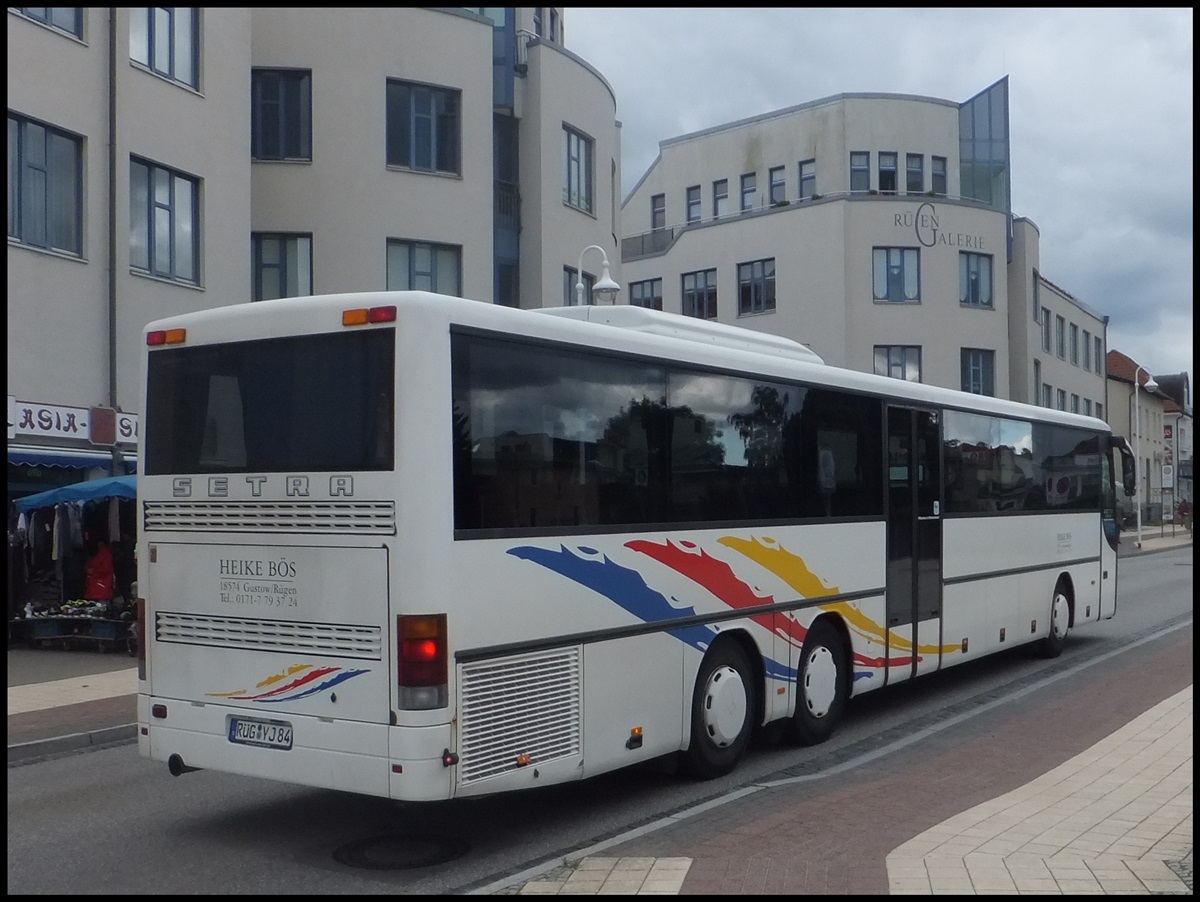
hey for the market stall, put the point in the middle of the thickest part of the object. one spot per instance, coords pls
(72, 565)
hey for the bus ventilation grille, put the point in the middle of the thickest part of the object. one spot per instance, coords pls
(358, 517)
(529, 705)
(336, 639)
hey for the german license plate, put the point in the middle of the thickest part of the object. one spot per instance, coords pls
(270, 734)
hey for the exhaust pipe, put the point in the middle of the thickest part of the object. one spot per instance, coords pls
(177, 768)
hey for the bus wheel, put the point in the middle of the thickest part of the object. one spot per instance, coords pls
(1060, 623)
(821, 685)
(722, 712)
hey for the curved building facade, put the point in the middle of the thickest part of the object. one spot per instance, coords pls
(874, 228)
(171, 159)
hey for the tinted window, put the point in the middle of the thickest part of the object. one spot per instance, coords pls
(299, 404)
(556, 437)
(998, 465)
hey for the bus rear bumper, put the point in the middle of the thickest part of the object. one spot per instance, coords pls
(367, 758)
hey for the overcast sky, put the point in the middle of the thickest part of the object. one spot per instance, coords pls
(1100, 114)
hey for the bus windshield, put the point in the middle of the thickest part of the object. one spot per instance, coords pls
(296, 404)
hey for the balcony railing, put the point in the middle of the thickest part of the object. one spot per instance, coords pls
(659, 241)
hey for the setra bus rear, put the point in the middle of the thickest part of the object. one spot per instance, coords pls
(268, 554)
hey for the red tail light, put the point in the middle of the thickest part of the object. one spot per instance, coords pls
(422, 668)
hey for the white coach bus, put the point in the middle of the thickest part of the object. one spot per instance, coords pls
(421, 547)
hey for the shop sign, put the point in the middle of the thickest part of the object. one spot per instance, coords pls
(926, 225)
(29, 419)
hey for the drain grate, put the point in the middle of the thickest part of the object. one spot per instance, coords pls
(399, 853)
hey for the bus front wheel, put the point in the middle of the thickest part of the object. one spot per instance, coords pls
(1060, 623)
(722, 712)
(821, 686)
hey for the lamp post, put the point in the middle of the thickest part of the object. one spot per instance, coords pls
(606, 289)
(1151, 385)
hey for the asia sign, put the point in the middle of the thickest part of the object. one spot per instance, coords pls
(97, 425)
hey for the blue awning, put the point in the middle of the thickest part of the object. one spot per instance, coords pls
(83, 458)
(90, 490)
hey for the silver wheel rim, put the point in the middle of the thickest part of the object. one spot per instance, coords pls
(820, 681)
(724, 706)
(1060, 617)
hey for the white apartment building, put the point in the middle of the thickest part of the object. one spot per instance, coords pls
(170, 159)
(877, 230)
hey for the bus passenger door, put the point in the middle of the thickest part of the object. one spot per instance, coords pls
(914, 540)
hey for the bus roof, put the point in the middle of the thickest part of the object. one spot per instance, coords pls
(618, 328)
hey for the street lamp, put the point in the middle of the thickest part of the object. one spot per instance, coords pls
(606, 289)
(1151, 385)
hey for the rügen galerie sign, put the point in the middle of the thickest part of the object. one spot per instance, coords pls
(927, 227)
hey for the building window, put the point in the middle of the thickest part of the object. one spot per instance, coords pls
(897, 274)
(1047, 395)
(63, 18)
(281, 114)
(693, 203)
(1087, 349)
(165, 40)
(975, 279)
(1099, 411)
(553, 24)
(1074, 403)
(978, 371)
(282, 265)
(898, 361)
(749, 189)
(700, 294)
(756, 286)
(537, 21)
(421, 266)
(915, 171)
(1062, 399)
(164, 222)
(45, 185)
(860, 171)
(1074, 333)
(570, 284)
(937, 170)
(1087, 406)
(1097, 355)
(646, 294)
(577, 170)
(422, 127)
(1037, 381)
(658, 212)
(778, 185)
(1060, 337)
(808, 179)
(720, 198)
(887, 173)
(1046, 346)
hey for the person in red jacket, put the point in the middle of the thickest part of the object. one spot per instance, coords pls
(98, 574)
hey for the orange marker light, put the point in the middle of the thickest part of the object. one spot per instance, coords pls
(357, 317)
(166, 337)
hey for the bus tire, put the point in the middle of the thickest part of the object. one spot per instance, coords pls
(723, 706)
(1060, 623)
(821, 683)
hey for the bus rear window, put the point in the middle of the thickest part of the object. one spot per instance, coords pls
(298, 404)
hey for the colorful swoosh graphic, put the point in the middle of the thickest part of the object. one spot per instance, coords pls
(718, 578)
(297, 682)
(627, 588)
